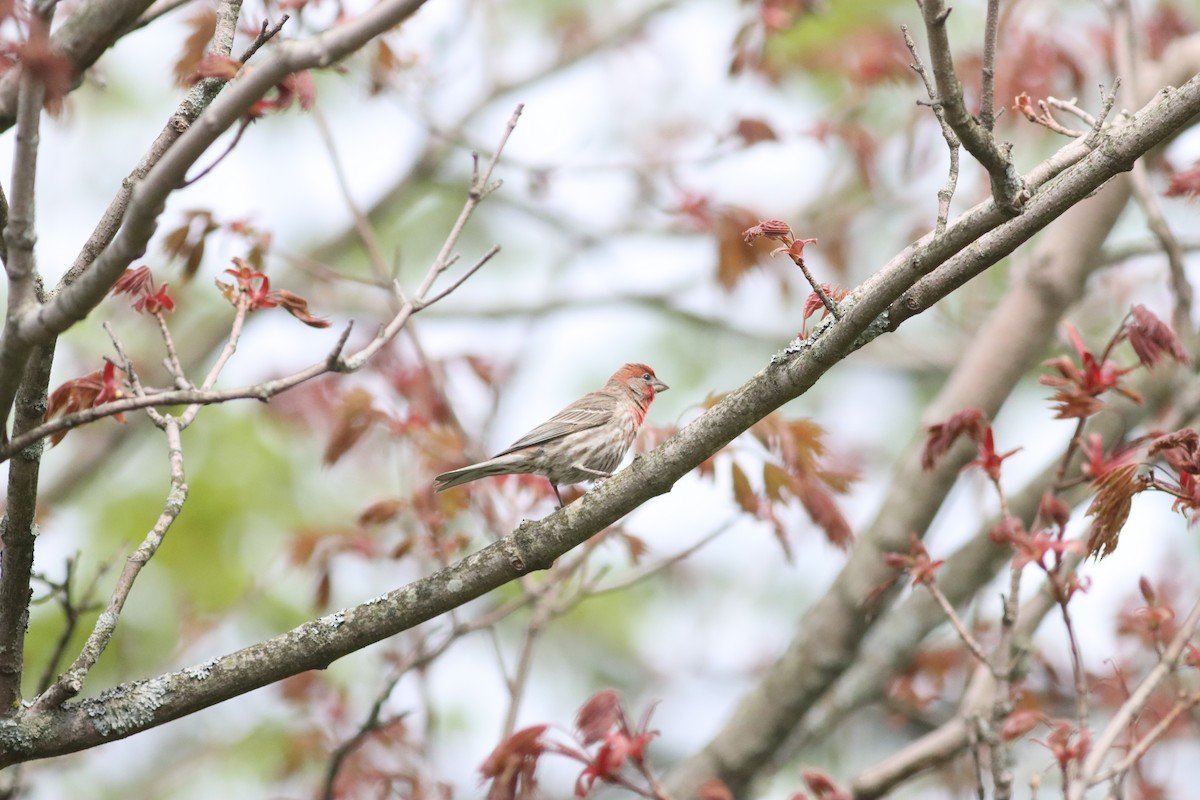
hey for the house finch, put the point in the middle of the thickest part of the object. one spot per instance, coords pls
(584, 441)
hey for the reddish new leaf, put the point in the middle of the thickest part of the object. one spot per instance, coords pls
(380, 512)
(969, 422)
(1019, 723)
(818, 501)
(297, 306)
(201, 27)
(599, 715)
(355, 417)
(714, 789)
(1185, 183)
(742, 492)
(134, 282)
(752, 131)
(1111, 506)
(511, 766)
(49, 67)
(1152, 339)
(91, 390)
(214, 65)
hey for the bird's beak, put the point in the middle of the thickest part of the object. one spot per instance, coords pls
(659, 386)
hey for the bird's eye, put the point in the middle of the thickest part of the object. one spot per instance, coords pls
(645, 376)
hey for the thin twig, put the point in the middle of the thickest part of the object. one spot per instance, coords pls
(265, 34)
(70, 683)
(987, 103)
(237, 137)
(946, 193)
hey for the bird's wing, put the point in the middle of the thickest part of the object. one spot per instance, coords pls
(572, 419)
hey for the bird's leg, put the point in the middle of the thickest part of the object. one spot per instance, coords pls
(591, 471)
(556, 494)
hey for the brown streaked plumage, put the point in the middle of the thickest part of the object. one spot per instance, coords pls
(583, 442)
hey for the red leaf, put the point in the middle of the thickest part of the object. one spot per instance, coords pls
(297, 306)
(969, 422)
(819, 503)
(133, 281)
(742, 492)
(201, 27)
(511, 766)
(1152, 339)
(40, 59)
(355, 417)
(380, 512)
(1185, 183)
(91, 390)
(598, 716)
(1020, 723)
(752, 131)
(714, 789)
(214, 65)
(1111, 507)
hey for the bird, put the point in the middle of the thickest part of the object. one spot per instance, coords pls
(585, 441)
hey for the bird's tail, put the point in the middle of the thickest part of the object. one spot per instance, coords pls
(485, 469)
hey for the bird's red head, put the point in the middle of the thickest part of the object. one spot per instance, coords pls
(641, 380)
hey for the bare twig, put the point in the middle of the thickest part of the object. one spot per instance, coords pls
(987, 100)
(265, 34)
(1008, 189)
(237, 137)
(946, 193)
(70, 682)
(73, 609)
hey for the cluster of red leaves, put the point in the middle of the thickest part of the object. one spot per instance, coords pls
(92, 390)
(814, 303)
(605, 743)
(1069, 744)
(39, 58)
(188, 240)
(195, 64)
(799, 469)
(916, 562)
(138, 283)
(1081, 384)
(972, 424)
(255, 286)
(1033, 547)
(1152, 624)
